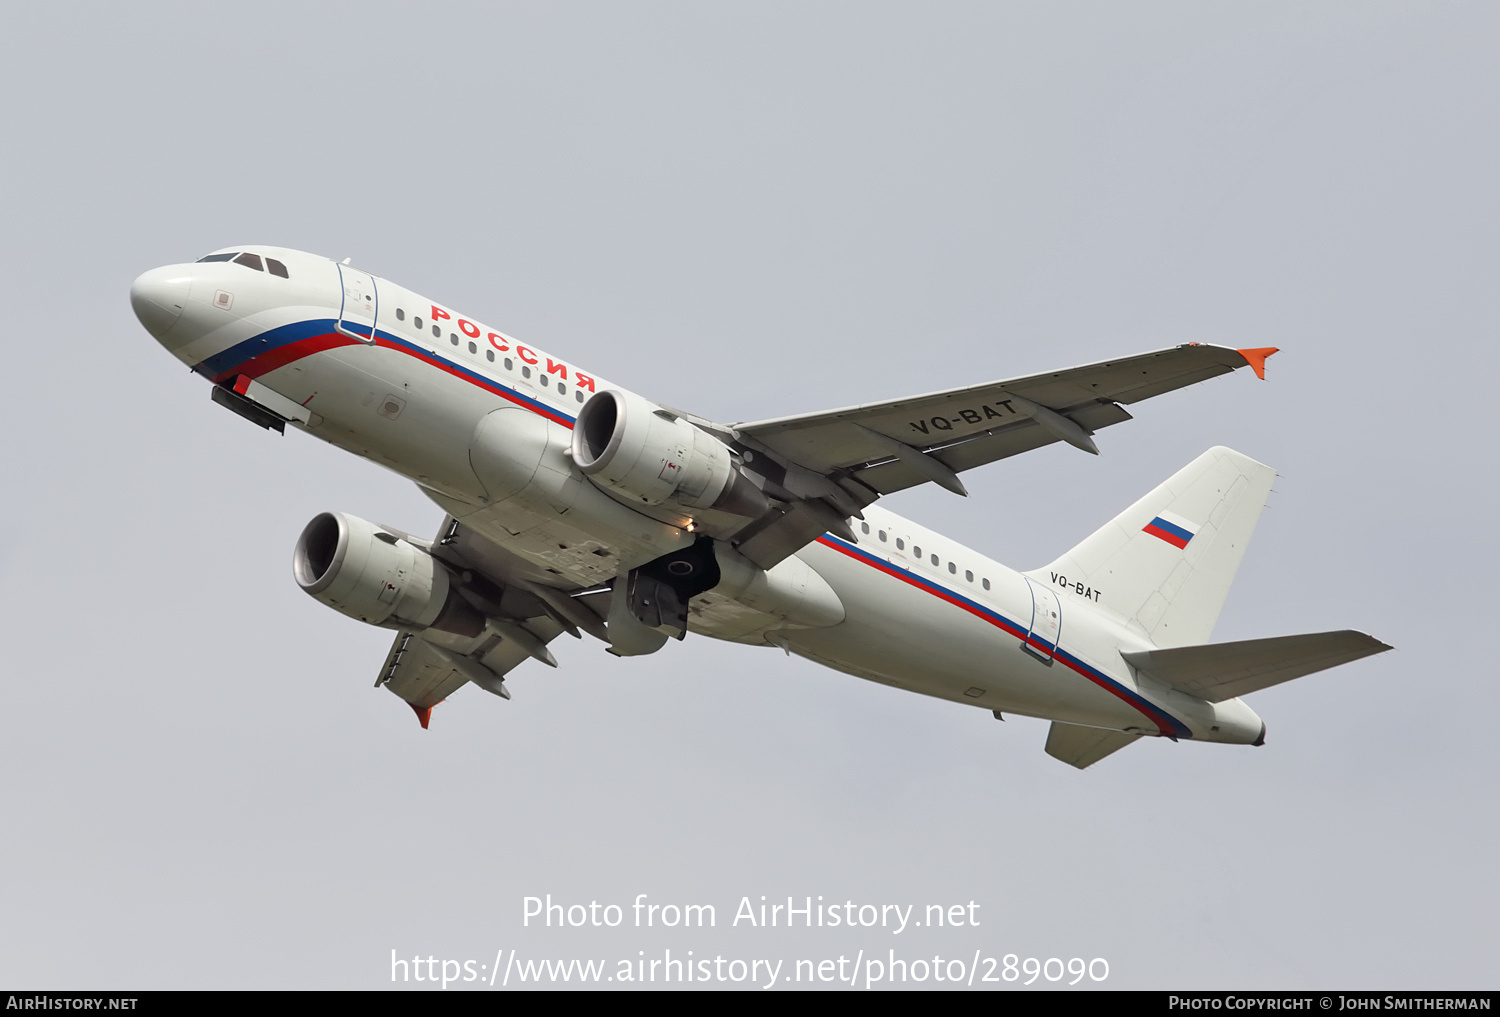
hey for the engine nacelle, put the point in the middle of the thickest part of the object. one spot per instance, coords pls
(358, 569)
(650, 455)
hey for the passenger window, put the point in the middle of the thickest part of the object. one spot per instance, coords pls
(277, 268)
(525, 372)
(417, 322)
(249, 261)
(934, 559)
(543, 379)
(900, 544)
(400, 314)
(562, 389)
(489, 355)
(952, 569)
(437, 332)
(986, 584)
(578, 395)
(864, 527)
(882, 535)
(453, 336)
(473, 348)
(509, 366)
(916, 550)
(968, 576)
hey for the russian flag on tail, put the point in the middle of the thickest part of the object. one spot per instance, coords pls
(1174, 529)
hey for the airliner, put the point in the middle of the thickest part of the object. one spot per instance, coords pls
(576, 506)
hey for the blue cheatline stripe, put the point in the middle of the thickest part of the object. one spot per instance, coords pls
(276, 348)
(1165, 722)
(240, 353)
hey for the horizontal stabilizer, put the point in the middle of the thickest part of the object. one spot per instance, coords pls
(1220, 671)
(1084, 746)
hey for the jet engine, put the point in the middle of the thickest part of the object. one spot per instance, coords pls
(359, 569)
(647, 454)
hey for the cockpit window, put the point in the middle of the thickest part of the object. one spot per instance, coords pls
(249, 261)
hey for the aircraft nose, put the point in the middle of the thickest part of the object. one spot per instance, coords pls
(159, 296)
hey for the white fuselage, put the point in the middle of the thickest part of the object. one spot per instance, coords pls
(918, 611)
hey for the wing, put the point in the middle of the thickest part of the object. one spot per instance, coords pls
(847, 458)
(966, 427)
(424, 667)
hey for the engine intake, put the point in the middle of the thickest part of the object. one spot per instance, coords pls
(362, 571)
(637, 449)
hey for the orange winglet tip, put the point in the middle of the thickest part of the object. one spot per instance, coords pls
(424, 713)
(1257, 359)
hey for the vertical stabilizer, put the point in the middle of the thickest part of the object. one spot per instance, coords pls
(1166, 562)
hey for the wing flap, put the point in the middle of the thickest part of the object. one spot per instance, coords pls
(778, 537)
(1220, 671)
(416, 672)
(978, 424)
(986, 447)
(424, 673)
(1084, 746)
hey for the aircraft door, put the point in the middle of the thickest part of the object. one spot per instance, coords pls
(1046, 623)
(359, 304)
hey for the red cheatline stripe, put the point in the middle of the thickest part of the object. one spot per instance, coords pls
(270, 360)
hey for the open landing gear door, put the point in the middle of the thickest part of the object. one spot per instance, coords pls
(650, 604)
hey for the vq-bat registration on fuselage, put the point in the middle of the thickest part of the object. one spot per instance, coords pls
(574, 505)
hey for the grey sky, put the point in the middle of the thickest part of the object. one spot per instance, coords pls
(748, 211)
